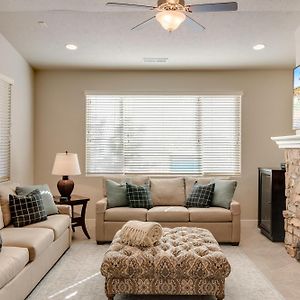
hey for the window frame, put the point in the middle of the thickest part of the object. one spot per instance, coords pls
(176, 94)
(10, 82)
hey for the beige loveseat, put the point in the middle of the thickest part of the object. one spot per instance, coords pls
(168, 209)
(29, 252)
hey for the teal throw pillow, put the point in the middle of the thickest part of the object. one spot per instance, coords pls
(116, 194)
(223, 194)
(47, 198)
(138, 196)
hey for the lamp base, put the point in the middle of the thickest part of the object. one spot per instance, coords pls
(65, 187)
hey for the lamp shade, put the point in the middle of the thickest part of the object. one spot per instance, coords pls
(66, 164)
(170, 20)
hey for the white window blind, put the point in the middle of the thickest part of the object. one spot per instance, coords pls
(220, 134)
(5, 103)
(163, 134)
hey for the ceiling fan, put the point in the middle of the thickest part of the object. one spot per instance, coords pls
(171, 13)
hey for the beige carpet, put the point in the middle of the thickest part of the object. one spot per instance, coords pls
(76, 276)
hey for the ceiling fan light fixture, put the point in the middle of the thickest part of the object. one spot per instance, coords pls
(170, 20)
(71, 47)
(259, 47)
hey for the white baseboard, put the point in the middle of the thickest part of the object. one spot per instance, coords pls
(248, 223)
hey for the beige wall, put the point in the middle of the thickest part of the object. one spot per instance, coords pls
(297, 39)
(13, 65)
(60, 117)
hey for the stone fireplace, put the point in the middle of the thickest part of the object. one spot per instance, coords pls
(291, 144)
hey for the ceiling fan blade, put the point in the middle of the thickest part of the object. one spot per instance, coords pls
(144, 22)
(213, 7)
(133, 5)
(195, 22)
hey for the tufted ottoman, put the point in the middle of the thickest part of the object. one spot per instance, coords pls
(187, 261)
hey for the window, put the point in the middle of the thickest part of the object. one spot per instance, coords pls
(163, 134)
(5, 103)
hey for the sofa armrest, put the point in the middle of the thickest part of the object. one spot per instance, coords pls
(235, 208)
(101, 206)
(64, 209)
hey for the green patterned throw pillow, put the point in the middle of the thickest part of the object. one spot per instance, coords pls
(138, 196)
(201, 195)
(27, 209)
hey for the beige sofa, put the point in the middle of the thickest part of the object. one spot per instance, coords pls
(28, 253)
(169, 195)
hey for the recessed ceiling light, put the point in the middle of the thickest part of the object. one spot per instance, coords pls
(71, 47)
(259, 47)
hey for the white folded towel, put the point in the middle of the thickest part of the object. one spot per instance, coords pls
(141, 234)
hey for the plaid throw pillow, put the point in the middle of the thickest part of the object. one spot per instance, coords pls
(201, 195)
(138, 196)
(27, 209)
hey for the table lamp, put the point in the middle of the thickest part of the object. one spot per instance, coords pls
(66, 164)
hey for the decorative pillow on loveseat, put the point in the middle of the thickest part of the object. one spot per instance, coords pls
(27, 209)
(200, 196)
(223, 193)
(46, 194)
(138, 196)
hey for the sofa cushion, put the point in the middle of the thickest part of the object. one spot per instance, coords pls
(200, 196)
(167, 191)
(1, 218)
(116, 194)
(168, 214)
(122, 214)
(138, 196)
(6, 189)
(210, 214)
(12, 262)
(58, 223)
(27, 209)
(223, 193)
(36, 240)
(47, 197)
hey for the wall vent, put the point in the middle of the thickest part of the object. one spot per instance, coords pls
(157, 60)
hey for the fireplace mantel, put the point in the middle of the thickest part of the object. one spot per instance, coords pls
(287, 142)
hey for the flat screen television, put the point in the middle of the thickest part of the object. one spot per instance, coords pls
(296, 100)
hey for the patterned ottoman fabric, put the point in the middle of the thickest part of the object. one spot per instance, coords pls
(187, 261)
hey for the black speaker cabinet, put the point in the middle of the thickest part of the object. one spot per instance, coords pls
(271, 203)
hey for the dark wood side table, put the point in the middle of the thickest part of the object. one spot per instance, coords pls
(77, 219)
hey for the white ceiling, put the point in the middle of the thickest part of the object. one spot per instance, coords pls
(105, 40)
